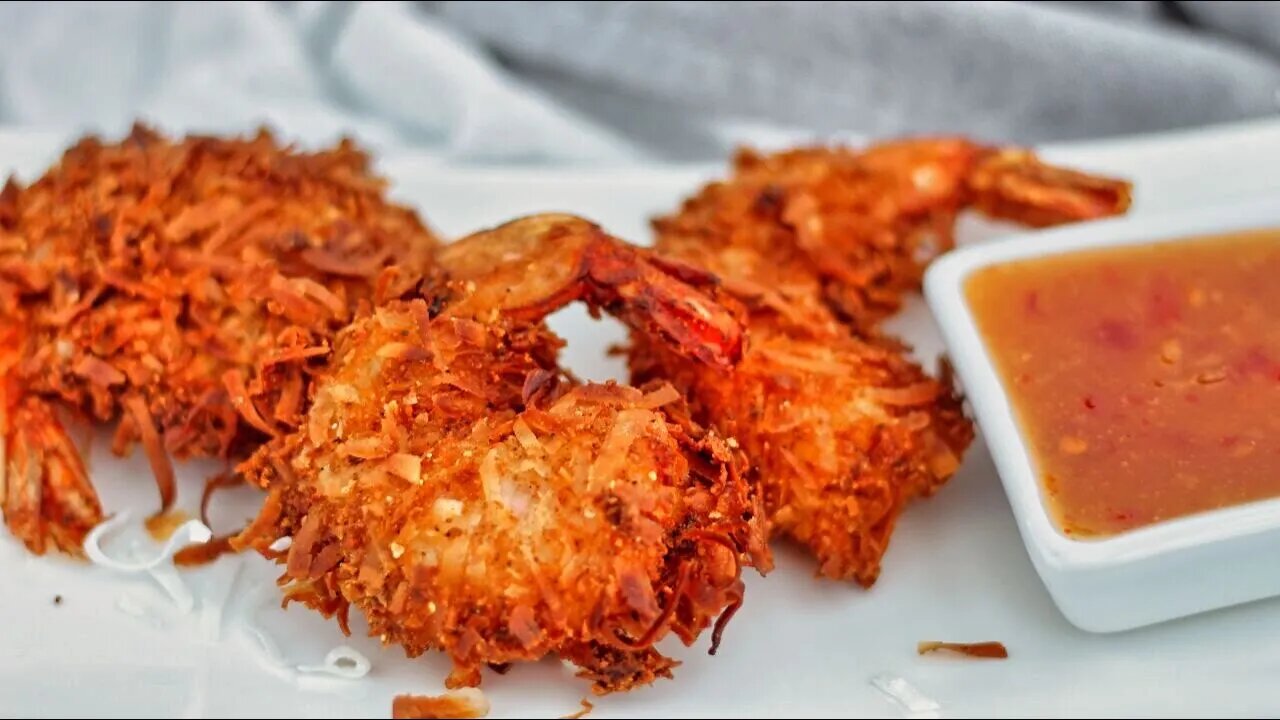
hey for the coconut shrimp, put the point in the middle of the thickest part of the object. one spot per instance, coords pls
(840, 427)
(467, 495)
(183, 291)
(818, 234)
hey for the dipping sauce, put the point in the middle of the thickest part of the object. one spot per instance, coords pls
(1146, 378)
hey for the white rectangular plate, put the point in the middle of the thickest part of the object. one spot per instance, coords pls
(956, 570)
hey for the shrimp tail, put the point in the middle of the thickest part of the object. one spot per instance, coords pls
(45, 492)
(1012, 184)
(531, 267)
(656, 297)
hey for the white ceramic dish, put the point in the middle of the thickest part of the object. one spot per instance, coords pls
(956, 569)
(1168, 570)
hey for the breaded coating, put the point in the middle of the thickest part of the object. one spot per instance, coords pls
(458, 488)
(841, 428)
(840, 432)
(184, 290)
(819, 231)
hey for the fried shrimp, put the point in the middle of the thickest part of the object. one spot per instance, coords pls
(820, 231)
(840, 427)
(456, 486)
(183, 290)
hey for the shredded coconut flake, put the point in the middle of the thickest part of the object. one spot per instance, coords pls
(141, 608)
(160, 567)
(168, 579)
(190, 532)
(268, 653)
(915, 703)
(341, 662)
(214, 604)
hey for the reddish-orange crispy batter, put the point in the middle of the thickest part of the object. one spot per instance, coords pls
(183, 289)
(841, 433)
(817, 231)
(466, 495)
(819, 244)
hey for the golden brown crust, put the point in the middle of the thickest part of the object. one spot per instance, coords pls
(840, 433)
(185, 288)
(840, 426)
(818, 230)
(464, 494)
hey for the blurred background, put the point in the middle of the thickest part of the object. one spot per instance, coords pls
(612, 83)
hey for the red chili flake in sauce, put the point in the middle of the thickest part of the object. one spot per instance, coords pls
(1165, 307)
(1255, 361)
(1180, 341)
(1117, 335)
(1031, 301)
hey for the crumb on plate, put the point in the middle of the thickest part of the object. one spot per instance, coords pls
(991, 649)
(587, 707)
(464, 703)
(162, 525)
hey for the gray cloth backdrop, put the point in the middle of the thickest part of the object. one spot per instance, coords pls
(1021, 71)
(629, 82)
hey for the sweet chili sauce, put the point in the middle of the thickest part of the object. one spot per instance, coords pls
(1145, 378)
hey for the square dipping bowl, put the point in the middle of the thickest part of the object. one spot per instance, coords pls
(1147, 575)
